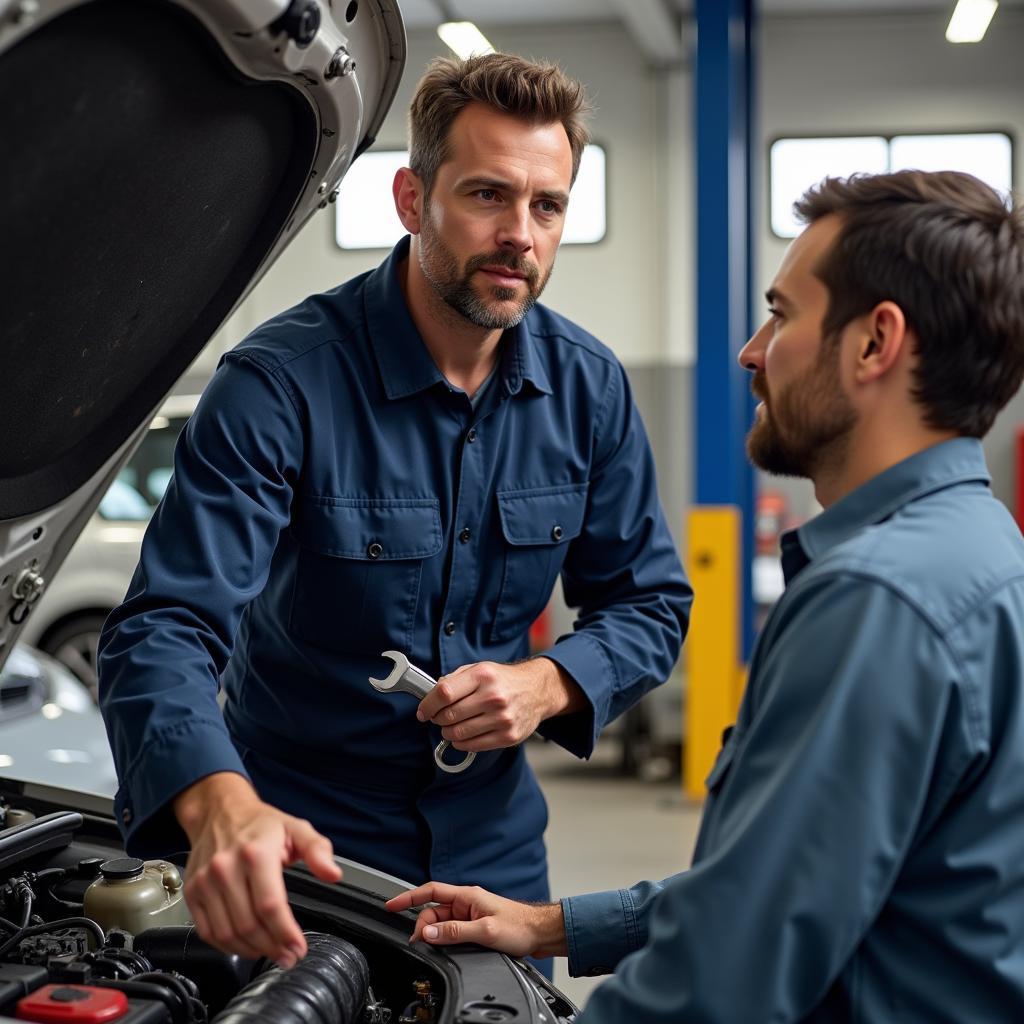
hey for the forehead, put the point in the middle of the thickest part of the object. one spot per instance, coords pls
(796, 272)
(483, 140)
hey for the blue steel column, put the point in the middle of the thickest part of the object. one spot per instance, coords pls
(725, 93)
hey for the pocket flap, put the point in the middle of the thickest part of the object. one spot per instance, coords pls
(543, 515)
(374, 529)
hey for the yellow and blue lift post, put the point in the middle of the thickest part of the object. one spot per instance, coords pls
(720, 527)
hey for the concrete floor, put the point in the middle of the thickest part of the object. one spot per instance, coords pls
(607, 832)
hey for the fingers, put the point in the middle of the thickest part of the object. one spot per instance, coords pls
(449, 689)
(306, 844)
(429, 892)
(486, 931)
(222, 901)
(493, 740)
(235, 885)
(283, 936)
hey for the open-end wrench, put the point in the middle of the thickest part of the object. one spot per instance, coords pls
(407, 678)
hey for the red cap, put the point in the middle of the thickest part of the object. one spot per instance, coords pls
(82, 1004)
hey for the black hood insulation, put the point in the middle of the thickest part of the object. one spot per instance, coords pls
(143, 180)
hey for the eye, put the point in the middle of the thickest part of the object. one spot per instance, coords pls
(774, 313)
(486, 194)
(549, 207)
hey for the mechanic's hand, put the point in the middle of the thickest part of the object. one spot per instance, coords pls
(486, 706)
(234, 884)
(471, 914)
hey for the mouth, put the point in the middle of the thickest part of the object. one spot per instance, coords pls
(502, 276)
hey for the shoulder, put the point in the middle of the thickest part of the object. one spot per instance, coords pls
(948, 554)
(299, 334)
(561, 339)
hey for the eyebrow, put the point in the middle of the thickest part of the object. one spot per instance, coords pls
(556, 195)
(775, 297)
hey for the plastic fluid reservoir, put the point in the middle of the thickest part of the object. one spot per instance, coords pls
(134, 895)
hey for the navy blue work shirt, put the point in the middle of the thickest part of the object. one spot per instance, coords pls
(333, 497)
(861, 856)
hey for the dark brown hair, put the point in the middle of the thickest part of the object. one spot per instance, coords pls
(536, 92)
(949, 252)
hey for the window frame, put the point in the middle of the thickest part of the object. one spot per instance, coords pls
(1009, 134)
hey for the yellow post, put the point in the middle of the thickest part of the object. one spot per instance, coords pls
(714, 674)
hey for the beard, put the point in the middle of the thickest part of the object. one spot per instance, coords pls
(805, 429)
(496, 308)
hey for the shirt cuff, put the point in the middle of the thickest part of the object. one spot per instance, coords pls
(599, 931)
(591, 670)
(180, 756)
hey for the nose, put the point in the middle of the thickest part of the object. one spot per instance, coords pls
(514, 229)
(751, 356)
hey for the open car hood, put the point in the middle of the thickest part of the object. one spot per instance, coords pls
(157, 156)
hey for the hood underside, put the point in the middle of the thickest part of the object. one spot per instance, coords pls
(157, 157)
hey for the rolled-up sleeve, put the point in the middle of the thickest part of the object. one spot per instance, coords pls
(808, 825)
(624, 576)
(206, 555)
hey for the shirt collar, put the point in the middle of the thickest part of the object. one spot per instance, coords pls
(933, 469)
(403, 360)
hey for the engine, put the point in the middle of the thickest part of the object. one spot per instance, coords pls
(94, 939)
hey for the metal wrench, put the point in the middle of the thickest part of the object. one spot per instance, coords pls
(407, 678)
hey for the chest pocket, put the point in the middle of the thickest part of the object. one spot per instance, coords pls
(537, 525)
(357, 581)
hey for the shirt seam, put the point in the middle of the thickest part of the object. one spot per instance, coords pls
(629, 916)
(175, 729)
(603, 415)
(272, 374)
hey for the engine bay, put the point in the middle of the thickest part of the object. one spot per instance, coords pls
(88, 934)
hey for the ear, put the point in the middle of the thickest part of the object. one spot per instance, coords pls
(883, 343)
(407, 188)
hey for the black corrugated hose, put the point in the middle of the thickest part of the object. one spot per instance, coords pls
(327, 986)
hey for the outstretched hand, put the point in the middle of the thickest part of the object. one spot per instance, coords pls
(470, 914)
(234, 882)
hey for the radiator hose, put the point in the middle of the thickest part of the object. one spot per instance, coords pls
(327, 986)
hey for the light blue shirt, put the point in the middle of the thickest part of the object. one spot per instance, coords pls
(861, 856)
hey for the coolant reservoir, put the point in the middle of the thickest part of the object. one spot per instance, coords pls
(134, 895)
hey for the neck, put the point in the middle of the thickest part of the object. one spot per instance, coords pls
(874, 446)
(463, 351)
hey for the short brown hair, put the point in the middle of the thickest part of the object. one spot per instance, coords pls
(949, 252)
(538, 93)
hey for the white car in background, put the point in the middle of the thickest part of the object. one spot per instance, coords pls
(66, 621)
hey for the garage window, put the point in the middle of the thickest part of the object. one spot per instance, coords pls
(365, 215)
(797, 164)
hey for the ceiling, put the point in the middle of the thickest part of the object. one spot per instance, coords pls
(652, 23)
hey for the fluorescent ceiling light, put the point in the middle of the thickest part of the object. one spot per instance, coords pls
(464, 38)
(970, 20)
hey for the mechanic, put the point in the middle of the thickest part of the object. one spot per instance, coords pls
(861, 854)
(407, 462)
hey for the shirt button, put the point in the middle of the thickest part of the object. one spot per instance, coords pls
(464, 535)
(449, 628)
(126, 816)
(556, 533)
(471, 436)
(375, 550)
